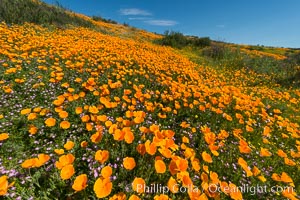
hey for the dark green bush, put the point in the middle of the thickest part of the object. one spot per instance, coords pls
(178, 40)
(202, 42)
(215, 51)
(294, 58)
(99, 18)
(174, 39)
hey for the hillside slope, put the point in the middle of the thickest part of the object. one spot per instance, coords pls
(87, 115)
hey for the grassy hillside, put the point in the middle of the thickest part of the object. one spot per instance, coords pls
(21, 11)
(103, 112)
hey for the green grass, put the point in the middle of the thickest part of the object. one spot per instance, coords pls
(21, 11)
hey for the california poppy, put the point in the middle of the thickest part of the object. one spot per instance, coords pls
(80, 182)
(160, 166)
(102, 187)
(67, 172)
(50, 122)
(102, 156)
(206, 157)
(4, 136)
(138, 185)
(106, 171)
(129, 163)
(69, 145)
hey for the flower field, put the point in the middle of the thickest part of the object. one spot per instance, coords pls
(85, 115)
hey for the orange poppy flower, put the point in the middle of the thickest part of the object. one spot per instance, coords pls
(50, 122)
(172, 185)
(4, 185)
(289, 162)
(106, 171)
(265, 152)
(196, 164)
(65, 124)
(78, 110)
(85, 118)
(42, 159)
(69, 145)
(102, 156)
(262, 178)
(80, 182)
(32, 116)
(93, 109)
(102, 187)
(150, 147)
(32, 129)
(160, 166)
(186, 180)
(281, 153)
(96, 137)
(276, 177)
(29, 163)
(63, 114)
(138, 185)
(289, 192)
(214, 177)
(182, 164)
(206, 157)
(119, 196)
(255, 171)
(67, 172)
(134, 197)
(129, 137)
(129, 163)
(235, 193)
(266, 131)
(84, 144)
(25, 111)
(173, 167)
(64, 160)
(161, 197)
(287, 179)
(244, 148)
(141, 149)
(59, 151)
(4, 136)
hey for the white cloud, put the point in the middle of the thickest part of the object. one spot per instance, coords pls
(161, 22)
(134, 11)
(139, 18)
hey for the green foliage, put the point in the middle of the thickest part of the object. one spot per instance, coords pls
(215, 51)
(99, 18)
(201, 42)
(294, 58)
(284, 72)
(21, 11)
(173, 39)
(178, 40)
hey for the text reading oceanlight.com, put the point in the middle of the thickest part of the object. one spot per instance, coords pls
(213, 188)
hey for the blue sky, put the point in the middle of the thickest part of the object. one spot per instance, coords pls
(264, 22)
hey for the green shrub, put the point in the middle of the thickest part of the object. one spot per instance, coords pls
(173, 39)
(178, 40)
(202, 42)
(215, 51)
(99, 18)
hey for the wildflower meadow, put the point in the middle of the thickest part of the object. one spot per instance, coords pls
(89, 115)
